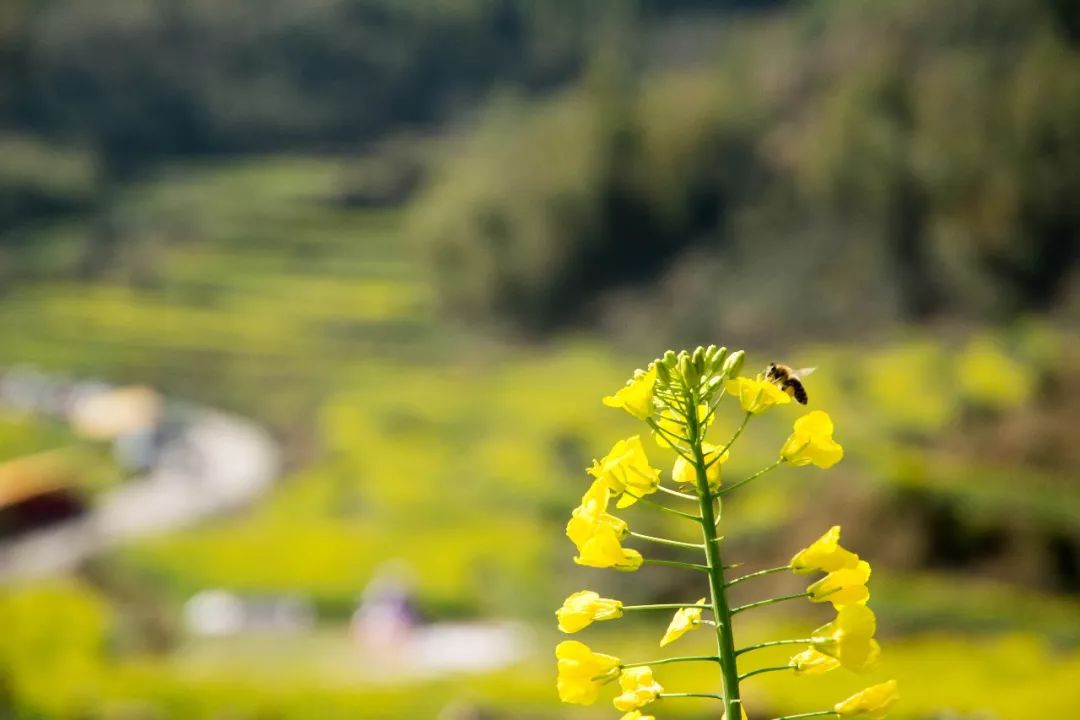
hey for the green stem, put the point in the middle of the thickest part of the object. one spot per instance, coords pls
(712, 408)
(665, 541)
(676, 493)
(759, 671)
(665, 661)
(690, 695)
(676, 563)
(819, 713)
(774, 643)
(664, 606)
(665, 508)
(738, 432)
(671, 438)
(770, 601)
(759, 573)
(728, 488)
(725, 640)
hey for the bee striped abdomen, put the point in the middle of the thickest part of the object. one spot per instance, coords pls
(795, 389)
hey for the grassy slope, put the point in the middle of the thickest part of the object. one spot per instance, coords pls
(266, 297)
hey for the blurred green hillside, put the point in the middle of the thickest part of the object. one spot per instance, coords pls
(456, 457)
(919, 159)
(419, 241)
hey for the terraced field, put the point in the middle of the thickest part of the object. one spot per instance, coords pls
(261, 292)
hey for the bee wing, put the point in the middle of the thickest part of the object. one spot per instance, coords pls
(802, 372)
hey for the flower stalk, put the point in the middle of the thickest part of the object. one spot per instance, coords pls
(725, 639)
(661, 606)
(761, 671)
(666, 541)
(678, 396)
(769, 601)
(680, 659)
(773, 643)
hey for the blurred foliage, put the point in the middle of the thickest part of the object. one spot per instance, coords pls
(839, 166)
(929, 147)
(138, 79)
(547, 207)
(61, 453)
(453, 455)
(37, 178)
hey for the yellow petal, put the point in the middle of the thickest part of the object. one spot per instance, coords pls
(873, 702)
(813, 662)
(639, 688)
(583, 608)
(846, 586)
(636, 398)
(825, 554)
(756, 395)
(578, 670)
(685, 620)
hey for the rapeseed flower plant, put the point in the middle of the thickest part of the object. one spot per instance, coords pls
(671, 426)
(811, 442)
(685, 620)
(677, 397)
(846, 586)
(849, 639)
(684, 474)
(638, 688)
(626, 472)
(636, 715)
(756, 395)
(824, 554)
(582, 609)
(637, 397)
(873, 702)
(597, 533)
(582, 672)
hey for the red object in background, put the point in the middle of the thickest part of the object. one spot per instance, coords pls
(36, 492)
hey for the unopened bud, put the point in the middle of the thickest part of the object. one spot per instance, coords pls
(734, 363)
(686, 369)
(698, 360)
(662, 373)
(718, 358)
(670, 359)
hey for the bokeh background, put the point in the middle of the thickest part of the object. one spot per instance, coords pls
(306, 309)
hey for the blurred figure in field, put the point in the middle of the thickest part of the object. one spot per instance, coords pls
(386, 617)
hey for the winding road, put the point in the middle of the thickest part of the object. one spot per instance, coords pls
(212, 464)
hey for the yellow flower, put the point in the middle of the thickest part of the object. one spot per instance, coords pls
(812, 662)
(846, 586)
(581, 671)
(685, 620)
(873, 702)
(638, 688)
(824, 554)
(673, 424)
(626, 471)
(583, 608)
(637, 397)
(686, 474)
(756, 395)
(596, 533)
(636, 715)
(592, 514)
(811, 442)
(850, 638)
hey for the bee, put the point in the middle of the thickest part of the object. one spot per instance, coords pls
(789, 380)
